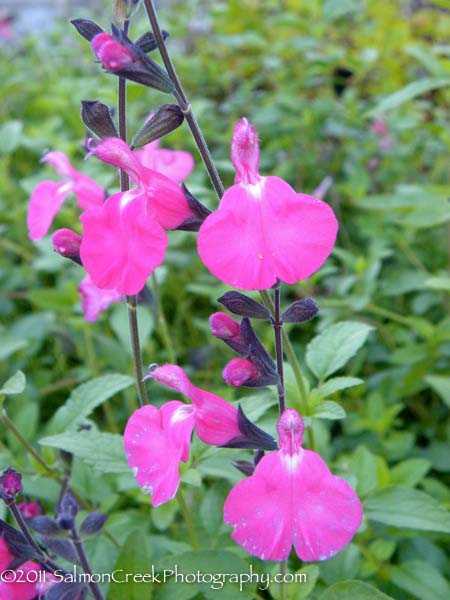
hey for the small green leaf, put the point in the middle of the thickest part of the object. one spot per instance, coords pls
(363, 464)
(406, 508)
(14, 385)
(85, 398)
(103, 451)
(353, 590)
(439, 283)
(336, 384)
(331, 349)
(10, 344)
(328, 410)
(409, 92)
(410, 472)
(420, 579)
(302, 589)
(441, 384)
(135, 559)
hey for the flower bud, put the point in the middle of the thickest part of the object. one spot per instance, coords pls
(223, 326)
(111, 54)
(67, 243)
(29, 509)
(300, 311)
(97, 117)
(10, 485)
(242, 305)
(239, 371)
(166, 119)
(67, 511)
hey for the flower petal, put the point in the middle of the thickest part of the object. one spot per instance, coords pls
(155, 442)
(265, 231)
(121, 243)
(45, 202)
(94, 300)
(174, 164)
(115, 151)
(166, 201)
(60, 162)
(88, 192)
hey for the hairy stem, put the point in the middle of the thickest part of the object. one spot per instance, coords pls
(278, 332)
(94, 587)
(183, 101)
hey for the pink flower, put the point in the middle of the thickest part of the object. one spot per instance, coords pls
(239, 371)
(10, 589)
(30, 509)
(48, 196)
(263, 230)
(67, 243)
(111, 54)
(95, 300)
(293, 499)
(124, 239)
(156, 440)
(174, 164)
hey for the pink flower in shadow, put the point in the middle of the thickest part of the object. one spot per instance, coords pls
(263, 231)
(156, 440)
(292, 499)
(48, 196)
(10, 588)
(95, 300)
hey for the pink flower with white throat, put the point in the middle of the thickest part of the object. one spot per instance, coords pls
(124, 240)
(48, 196)
(263, 231)
(292, 499)
(157, 440)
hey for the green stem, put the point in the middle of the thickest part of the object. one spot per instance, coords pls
(136, 349)
(163, 328)
(283, 569)
(187, 519)
(26, 444)
(94, 587)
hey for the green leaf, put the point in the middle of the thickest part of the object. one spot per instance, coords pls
(441, 384)
(344, 565)
(406, 508)
(301, 590)
(410, 472)
(85, 398)
(134, 558)
(331, 349)
(103, 451)
(438, 283)
(10, 134)
(363, 465)
(410, 91)
(420, 579)
(14, 385)
(211, 510)
(336, 384)
(328, 410)
(10, 344)
(353, 590)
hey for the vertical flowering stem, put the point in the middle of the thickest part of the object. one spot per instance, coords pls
(278, 332)
(131, 300)
(183, 101)
(93, 586)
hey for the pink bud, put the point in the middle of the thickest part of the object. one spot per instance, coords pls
(29, 509)
(10, 484)
(238, 371)
(112, 54)
(245, 153)
(67, 243)
(223, 326)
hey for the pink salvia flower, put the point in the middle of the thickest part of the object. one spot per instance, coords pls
(292, 499)
(156, 440)
(10, 586)
(48, 196)
(111, 54)
(239, 371)
(124, 240)
(174, 164)
(263, 231)
(95, 300)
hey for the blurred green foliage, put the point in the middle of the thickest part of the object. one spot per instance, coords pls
(314, 77)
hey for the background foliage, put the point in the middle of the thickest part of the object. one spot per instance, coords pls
(313, 77)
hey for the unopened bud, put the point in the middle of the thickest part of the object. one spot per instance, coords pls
(29, 509)
(111, 54)
(239, 371)
(300, 311)
(10, 485)
(97, 117)
(92, 524)
(223, 326)
(167, 118)
(242, 305)
(67, 243)
(67, 512)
